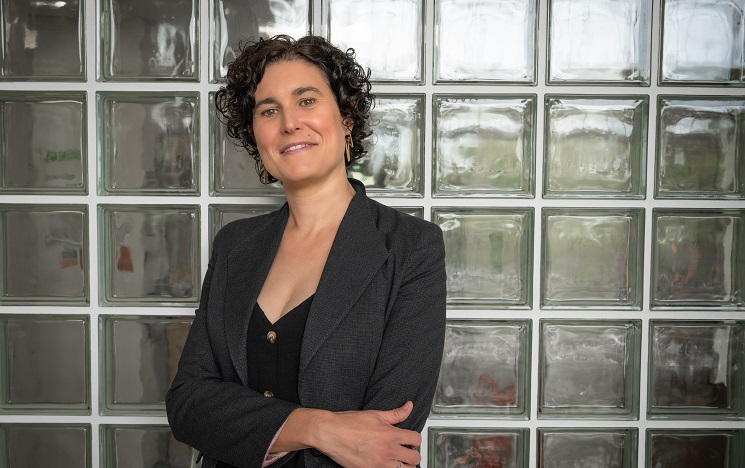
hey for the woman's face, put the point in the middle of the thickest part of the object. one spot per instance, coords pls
(297, 124)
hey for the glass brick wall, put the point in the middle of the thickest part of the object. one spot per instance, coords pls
(584, 158)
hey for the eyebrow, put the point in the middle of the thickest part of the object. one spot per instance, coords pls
(296, 92)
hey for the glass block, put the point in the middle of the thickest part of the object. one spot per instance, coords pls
(236, 20)
(702, 42)
(44, 364)
(700, 147)
(416, 211)
(582, 447)
(386, 35)
(485, 369)
(481, 25)
(232, 170)
(698, 259)
(42, 40)
(43, 143)
(45, 445)
(220, 215)
(142, 446)
(589, 369)
(149, 41)
(44, 257)
(149, 255)
(489, 257)
(695, 369)
(148, 143)
(592, 258)
(601, 41)
(691, 448)
(477, 447)
(140, 359)
(484, 146)
(394, 159)
(595, 146)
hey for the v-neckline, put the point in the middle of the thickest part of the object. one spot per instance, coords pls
(266, 319)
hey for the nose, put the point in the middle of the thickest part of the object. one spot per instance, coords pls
(290, 121)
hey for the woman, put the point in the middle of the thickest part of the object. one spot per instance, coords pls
(320, 329)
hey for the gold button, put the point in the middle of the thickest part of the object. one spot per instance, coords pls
(271, 337)
(268, 394)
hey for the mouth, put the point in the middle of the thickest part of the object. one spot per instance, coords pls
(296, 147)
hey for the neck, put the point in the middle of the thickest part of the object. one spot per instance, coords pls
(318, 206)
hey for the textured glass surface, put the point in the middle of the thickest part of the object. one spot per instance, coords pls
(149, 143)
(589, 369)
(700, 147)
(596, 448)
(220, 215)
(232, 169)
(489, 257)
(599, 41)
(393, 162)
(703, 41)
(44, 257)
(145, 40)
(140, 360)
(695, 368)
(45, 363)
(237, 20)
(468, 35)
(452, 447)
(483, 145)
(386, 34)
(485, 369)
(45, 445)
(416, 211)
(595, 147)
(694, 448)
(140, 446)
(42, 40)
(149, 254)
(592, 258)
(698, 258)
(43, 142)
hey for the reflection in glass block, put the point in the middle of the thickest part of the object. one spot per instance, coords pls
(220, 215)
(45, 445)
(599, 40)
(393, 162)
(44, 256)
(694, 369)
(450, 447)
(142, 446)
(236, 20)
(150, 254)
(698, 258)
(485, 369)
(140, 359)
(597, 447)
(43, 142)
(595, 147)
(700, 147)
(232, 170)
(592, 258)
(386, 34)
(489, 256)
(149, 143)
(42, 40)
(143, 40)
(702, 42)
(45, 363)
(589, 369)
(710, 448)
(481, 25)
(484, 145)
(416, 211)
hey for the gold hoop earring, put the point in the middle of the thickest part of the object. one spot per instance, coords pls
(348, 145)
(264, 174)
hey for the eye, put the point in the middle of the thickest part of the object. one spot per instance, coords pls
(268, 112)
(307, 102)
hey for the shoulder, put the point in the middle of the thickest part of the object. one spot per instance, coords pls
(400, 230)
(238, 232)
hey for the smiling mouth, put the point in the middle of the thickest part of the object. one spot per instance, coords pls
(296, 147)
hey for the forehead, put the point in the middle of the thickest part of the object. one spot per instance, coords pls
(286, 76)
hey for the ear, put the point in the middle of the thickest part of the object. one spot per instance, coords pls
(348, 124)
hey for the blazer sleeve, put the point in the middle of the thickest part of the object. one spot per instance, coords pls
(410, 355)
(208, 407)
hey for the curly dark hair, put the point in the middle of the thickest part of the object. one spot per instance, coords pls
(349, 82)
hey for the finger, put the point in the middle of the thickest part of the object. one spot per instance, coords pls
(397, 415)
(407, 456)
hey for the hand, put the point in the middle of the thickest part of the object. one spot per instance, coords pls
(361, 439)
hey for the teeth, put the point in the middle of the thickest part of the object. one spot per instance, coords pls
(294, 147)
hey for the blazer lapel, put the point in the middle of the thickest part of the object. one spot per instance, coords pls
(248, 266)
(355, 256)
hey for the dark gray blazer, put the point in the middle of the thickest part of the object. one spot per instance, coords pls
(373, 338)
